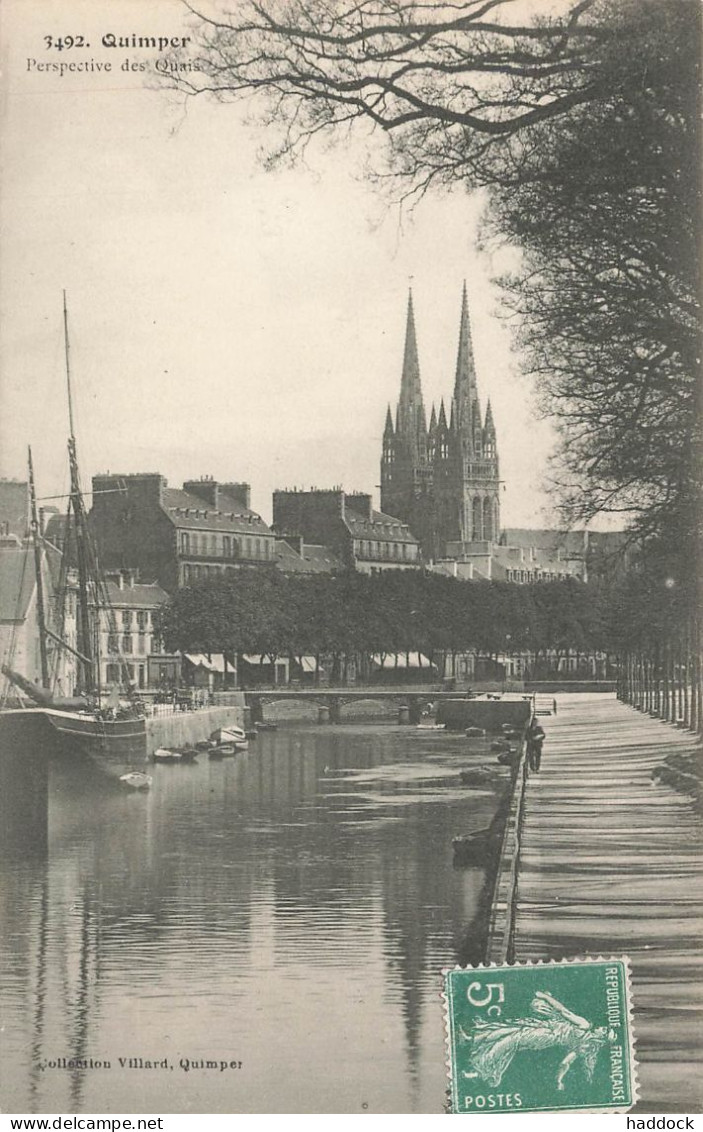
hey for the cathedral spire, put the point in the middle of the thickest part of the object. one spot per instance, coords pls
(411, 411)
(465, 392)
(388, 430)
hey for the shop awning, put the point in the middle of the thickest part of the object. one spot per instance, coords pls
(403, 660)
(213, 663)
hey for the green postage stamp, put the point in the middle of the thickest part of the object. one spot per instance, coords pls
(543, 1037)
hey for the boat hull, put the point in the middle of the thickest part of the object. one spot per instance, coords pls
(116, 746)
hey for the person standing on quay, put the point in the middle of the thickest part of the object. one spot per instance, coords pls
(535, 739)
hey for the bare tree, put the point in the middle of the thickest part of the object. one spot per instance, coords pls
(583, 122)
(449, 85)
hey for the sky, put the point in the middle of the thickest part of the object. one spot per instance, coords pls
(224, 320)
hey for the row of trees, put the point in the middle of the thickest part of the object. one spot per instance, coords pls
(354, 615)
(641, 618)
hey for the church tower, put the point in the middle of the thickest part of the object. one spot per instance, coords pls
(406, 474)
(466, 486)
(443, 480)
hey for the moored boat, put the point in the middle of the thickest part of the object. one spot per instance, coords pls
(88, 723)
(136, 780)
(175, 755)
(223, 751)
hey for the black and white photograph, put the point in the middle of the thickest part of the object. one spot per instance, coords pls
(351, 463)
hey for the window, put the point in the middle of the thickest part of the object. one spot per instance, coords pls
(112, 673)
(141, 644)
(112, 643)
(127, 619)
(142, 620)
(227, 546)
(127, 642)
(185, 542)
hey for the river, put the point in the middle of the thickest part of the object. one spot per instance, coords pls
(286, 912)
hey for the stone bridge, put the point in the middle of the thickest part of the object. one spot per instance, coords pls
(330, 701)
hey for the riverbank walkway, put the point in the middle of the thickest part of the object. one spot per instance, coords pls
(610, 862)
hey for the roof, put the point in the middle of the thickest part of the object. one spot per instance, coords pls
(315, 559)
(568, 542)
(189, 511)
(141, 595)
(17, 582)
(545, 560)
(380, 527)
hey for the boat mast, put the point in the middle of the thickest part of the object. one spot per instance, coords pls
(85, 636)
(41, 615)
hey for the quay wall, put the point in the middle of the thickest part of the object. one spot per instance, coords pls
(183, 728)
(550, 686)
(456, 715)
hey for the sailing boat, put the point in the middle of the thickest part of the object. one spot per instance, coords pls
(84, 723)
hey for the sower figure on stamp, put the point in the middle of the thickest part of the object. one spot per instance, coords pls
(553, 1025)
(535, 738)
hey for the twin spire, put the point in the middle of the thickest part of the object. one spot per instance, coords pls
(465, 413)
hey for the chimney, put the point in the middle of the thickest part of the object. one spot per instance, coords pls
(206, 489)
(239, 491)
(360, 502)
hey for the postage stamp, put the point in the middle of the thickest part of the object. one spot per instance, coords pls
(542, 1037)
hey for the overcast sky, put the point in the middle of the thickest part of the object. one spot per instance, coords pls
(224, 321)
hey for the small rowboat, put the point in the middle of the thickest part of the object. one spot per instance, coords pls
(136, 780)
(223, 751)
(175, 755)
(472, 849)
(230, 734)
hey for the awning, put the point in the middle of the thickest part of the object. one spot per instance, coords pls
(403, 660)
(307, 663)
(213, 663)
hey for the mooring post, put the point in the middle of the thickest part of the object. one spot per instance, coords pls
(257, 708)
(335, 710)
(323, 714)
(403, 714)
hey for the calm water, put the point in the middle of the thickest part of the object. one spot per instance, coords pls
(289, 910)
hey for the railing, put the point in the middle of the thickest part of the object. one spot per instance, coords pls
(501, 924)
(177, 707)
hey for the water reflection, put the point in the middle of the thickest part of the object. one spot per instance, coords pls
(290, 909)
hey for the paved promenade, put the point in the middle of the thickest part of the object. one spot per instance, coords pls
(611, 862)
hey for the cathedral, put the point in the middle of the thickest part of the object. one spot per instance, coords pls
(442, 479)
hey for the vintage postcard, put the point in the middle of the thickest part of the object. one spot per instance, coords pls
(349, 540)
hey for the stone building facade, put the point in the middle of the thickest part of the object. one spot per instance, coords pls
(128, 630)
(177, 536)
(360, 537)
